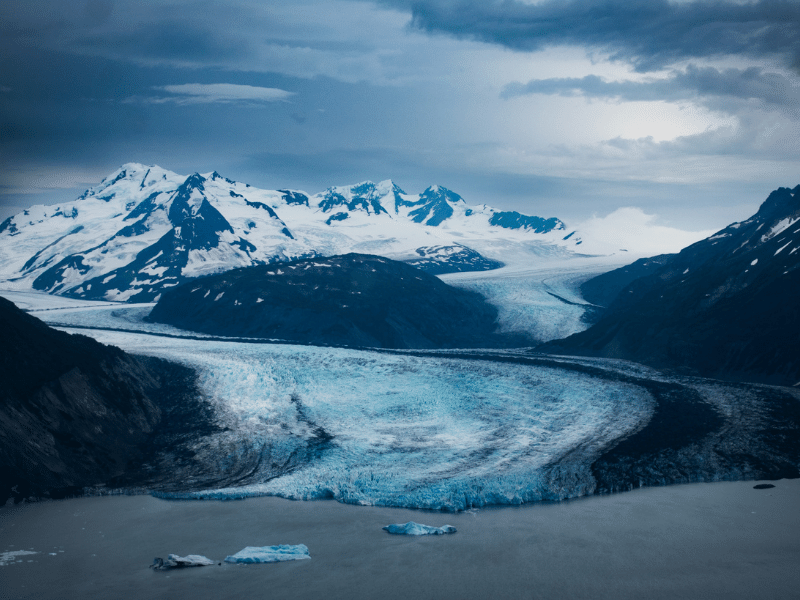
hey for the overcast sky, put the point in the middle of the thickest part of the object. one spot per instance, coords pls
(689, 110)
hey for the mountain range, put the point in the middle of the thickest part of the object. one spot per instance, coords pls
(144, 229)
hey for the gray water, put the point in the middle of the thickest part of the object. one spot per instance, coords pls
(722, 540)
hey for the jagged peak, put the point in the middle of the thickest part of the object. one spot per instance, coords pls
(195, 180)
(782, 201)
(214, 176)
(438, 191)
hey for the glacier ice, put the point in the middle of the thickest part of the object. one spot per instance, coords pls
(269, 554)
(174, 561)
(434, 430)
(412, 528)
(396, 429)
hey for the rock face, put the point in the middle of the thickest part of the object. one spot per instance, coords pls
(725, 307)
(73, 412)
(438, 260)
(355, 300)
(603, 289)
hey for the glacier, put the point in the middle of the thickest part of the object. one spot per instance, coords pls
(442, 430)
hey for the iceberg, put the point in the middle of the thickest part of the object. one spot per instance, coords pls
(178, 562)
(412, 528)
(269, 554)
(12, 556)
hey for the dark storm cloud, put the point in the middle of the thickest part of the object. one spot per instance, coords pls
(650, 34)
(171, 40)
(754, 83)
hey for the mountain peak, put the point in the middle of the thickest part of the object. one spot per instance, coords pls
(781, 202)
(441, 192)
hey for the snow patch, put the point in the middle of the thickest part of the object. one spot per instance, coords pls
(782, 247)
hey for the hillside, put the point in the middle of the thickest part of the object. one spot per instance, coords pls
(355, 300)
(723, 307)
(73, 412)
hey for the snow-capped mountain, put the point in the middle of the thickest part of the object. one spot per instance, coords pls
(725, 306)
(144, 229)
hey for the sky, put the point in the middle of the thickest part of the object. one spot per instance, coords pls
(685, 111)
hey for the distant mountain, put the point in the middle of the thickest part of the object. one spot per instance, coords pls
(726, 306)
(143, 230)
(74, 412)
(356, 300)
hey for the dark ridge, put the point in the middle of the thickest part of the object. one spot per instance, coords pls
(73, 412)
(438, 260)
(355, 299)
(515, 220)
(603, 289)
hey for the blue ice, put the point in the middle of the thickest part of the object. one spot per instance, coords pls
(269, 554)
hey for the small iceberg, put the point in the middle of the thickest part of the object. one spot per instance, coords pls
(412, 528)
(269, 554)
(178, 562)
(12, 556)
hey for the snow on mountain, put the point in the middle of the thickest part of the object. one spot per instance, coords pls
(144, 229)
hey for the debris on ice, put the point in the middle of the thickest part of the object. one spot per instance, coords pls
(412, 528)
(177, 562)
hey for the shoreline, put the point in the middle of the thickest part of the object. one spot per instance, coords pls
(710, 540)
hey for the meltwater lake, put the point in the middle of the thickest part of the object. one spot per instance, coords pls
(722, 540)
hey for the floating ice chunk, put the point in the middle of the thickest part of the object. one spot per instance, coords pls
(269, 554)
(177, 562)
(412, 528)
(752, 264)
(6, 558)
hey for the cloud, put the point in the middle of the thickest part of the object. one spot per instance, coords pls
(693, 83)
(636, 232)
(226, 93)
(649, 34)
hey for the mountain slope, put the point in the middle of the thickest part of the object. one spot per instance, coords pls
(145, 229)
(725, 306)
(356, 299)
(73, 412)
(603, 289)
